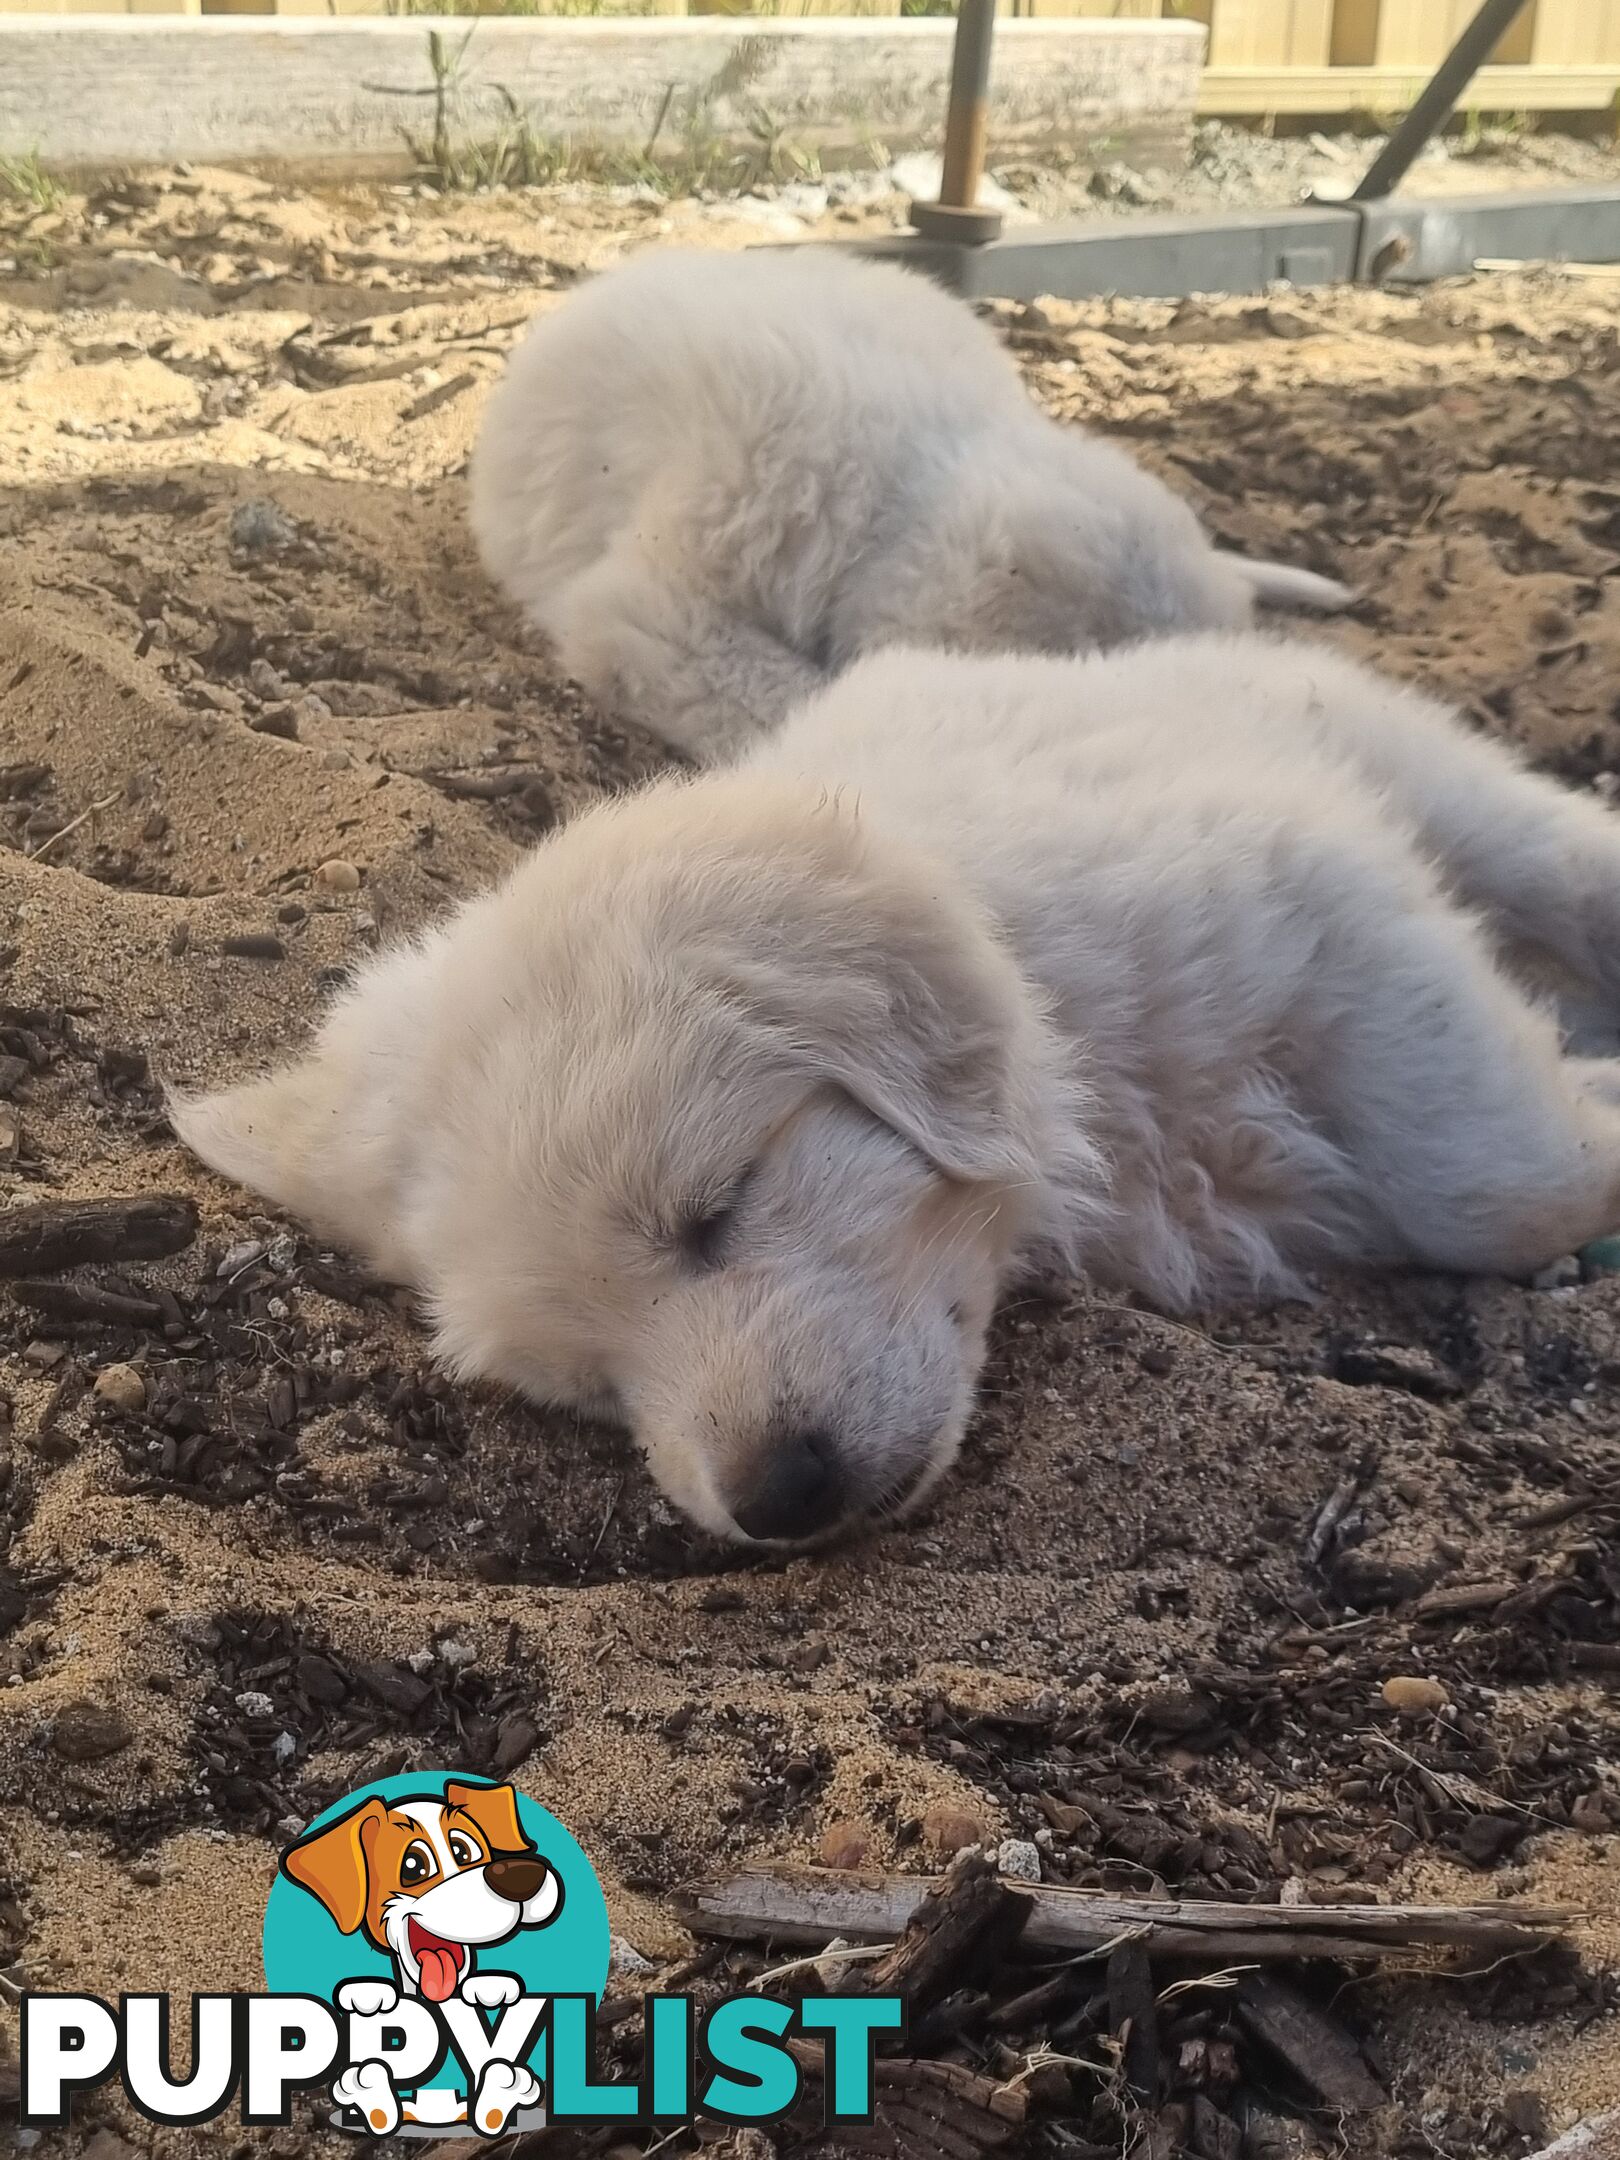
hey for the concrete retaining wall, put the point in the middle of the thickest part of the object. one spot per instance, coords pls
(121, 89)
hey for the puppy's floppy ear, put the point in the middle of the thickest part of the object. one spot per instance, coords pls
(333, 1864)
(326, 1138)
(888, 980)
(494, 1809)
(265, 1134)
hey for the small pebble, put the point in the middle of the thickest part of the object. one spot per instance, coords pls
(260, 525)
(252, 1703)
(950, 1828)
(1019, 1859)
(85, 1732)
(279, 720)
(1413, 1697)
(337, 876)
(1561, 1275)
(844, 1845)
(625, 1961)
(122, 1387)
(238, 1257)
(831, 1968)
(108, 2145)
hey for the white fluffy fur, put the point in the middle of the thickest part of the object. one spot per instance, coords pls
(715, 480)
(979, 968)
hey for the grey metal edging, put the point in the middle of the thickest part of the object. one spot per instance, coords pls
(1140, 258)
(1168, 258)
(1415, 242)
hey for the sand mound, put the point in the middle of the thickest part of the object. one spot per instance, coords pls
(242, 633)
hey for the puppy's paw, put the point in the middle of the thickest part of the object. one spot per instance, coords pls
(369, 2089)
(503, 2088)
(367, 1998)
(490, 1991)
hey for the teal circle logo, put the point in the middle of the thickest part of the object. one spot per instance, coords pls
(453, 1891)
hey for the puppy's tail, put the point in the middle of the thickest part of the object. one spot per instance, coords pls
(1281, 586)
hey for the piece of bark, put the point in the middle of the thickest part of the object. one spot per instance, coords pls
(938, 2108)
(810, 1906)
(959, 1917)
(939, 2028)
(1214, 2136)
(1133, 2013)
(1462, 1598)
(1331, 1514)
(254, 945)
(55, 1234)
(84, 1305)
(1161, 2136)
(1032, 2006)
(1316, 2051)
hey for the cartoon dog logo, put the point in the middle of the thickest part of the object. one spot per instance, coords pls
(431, 1880)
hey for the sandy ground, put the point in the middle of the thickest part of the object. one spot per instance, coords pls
(242, 634)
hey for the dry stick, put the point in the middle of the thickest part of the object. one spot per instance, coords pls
(56, 1234)
(792, 1905)
(94, 810)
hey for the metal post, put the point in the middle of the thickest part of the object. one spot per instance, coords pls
(956, 215)
(1450, 79)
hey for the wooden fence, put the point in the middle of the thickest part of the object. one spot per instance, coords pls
(1336, 56)
(1265, 56)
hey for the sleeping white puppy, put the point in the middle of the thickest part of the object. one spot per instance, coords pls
(732, 1112)
(716, 480)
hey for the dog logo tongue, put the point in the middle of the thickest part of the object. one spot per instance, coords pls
(438, 1962)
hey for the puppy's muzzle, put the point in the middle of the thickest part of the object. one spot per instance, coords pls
(800, 1489)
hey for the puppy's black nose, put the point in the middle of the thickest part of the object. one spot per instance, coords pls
(801, 1490)
(515, 1878)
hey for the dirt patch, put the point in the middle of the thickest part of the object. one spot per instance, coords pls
(242, 639)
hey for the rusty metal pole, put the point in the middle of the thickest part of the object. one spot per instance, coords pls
(957, 215)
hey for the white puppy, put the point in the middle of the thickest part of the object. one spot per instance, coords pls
(715, 480)
(733, 1110)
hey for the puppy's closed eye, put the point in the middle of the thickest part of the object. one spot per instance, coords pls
(706, 1230)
